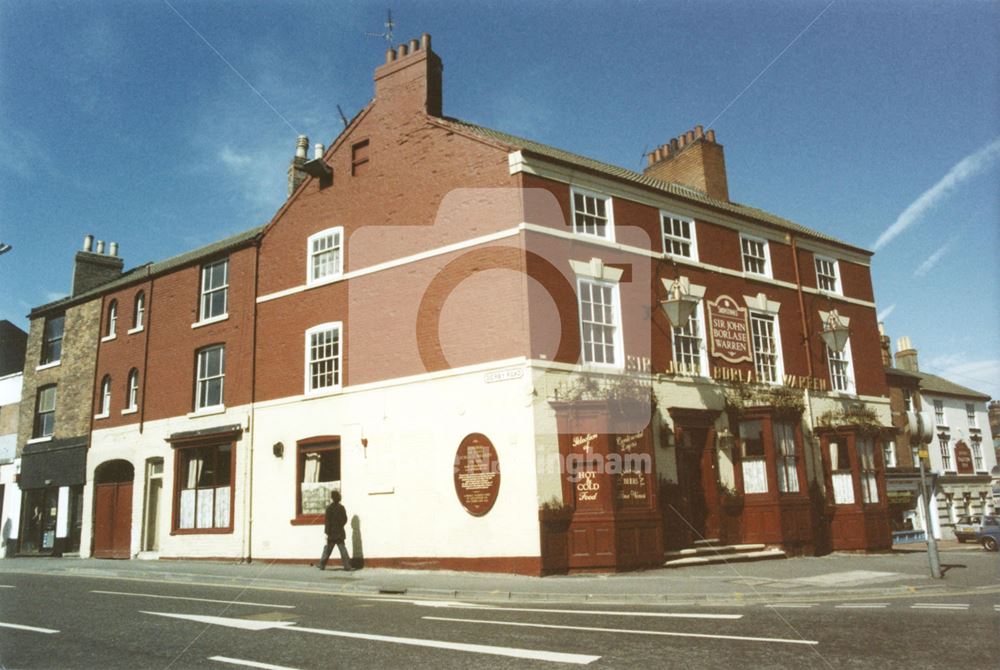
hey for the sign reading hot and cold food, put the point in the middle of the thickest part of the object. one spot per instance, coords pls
(477, 474)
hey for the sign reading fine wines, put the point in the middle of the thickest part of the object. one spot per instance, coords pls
(477, 474)
(729, 330)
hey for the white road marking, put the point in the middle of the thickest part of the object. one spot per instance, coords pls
(6, 586)
(792, 606)
(485, 608)
(249, 664)
(862, 606)
(622, 630)
(200, 600)
(514, 652)
(940, 606)
(17, 626)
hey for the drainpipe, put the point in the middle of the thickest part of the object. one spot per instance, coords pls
(253, 399)
(805, 334)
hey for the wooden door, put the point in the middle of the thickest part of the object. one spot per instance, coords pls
(113, 520)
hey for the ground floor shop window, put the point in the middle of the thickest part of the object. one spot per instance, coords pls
(318, 467)
(869, 481)
(204, 488)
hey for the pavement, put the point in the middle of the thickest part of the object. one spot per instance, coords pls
(904, 570)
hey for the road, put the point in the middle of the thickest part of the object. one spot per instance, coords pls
(55, 621)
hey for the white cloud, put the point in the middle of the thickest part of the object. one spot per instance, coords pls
(965, 169)
(884, 314)
(931, 261)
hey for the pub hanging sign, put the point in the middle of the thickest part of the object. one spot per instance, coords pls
(729, 330)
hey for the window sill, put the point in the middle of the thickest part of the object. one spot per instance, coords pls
(102, 415)
(132, 410)
(46, 366)
(319, 393)
(202, 531)
(108, 338)
(207, 411)
(39, 440)
(750, 274)
(208, 322)
(311, 520)
(133, 331)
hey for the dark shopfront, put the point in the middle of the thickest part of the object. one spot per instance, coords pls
(52, 478)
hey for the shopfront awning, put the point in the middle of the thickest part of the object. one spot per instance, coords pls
(56, 463)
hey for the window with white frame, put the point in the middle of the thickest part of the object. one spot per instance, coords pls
(214, 290)
(907, 400)
(756, 258)
(939, 413)
(977, 454)
(678, 236)
(970, 415)
(945, 454)
(592, 214)
(600, 323)
(105, 396)
(132, 397)
(318, 475)
(784, 442)
(752, 456)
(869, 480)
(326, 259)
(889, 453)
(323, 357)
(112, 318)
(766, 353)
(841, 369)
(211, 375)
(827, 274)
(139, 314)
(204, 487)
(45, 412)
(690, 352)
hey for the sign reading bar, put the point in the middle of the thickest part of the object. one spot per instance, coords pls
(477, 474)
(729, 330)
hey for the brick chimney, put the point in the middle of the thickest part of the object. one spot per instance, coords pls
(411, 78)
(91, 269)
(296, 175)
(884, 344)
(906, 355)
(692, 159)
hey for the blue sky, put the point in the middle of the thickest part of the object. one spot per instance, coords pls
(167, 124)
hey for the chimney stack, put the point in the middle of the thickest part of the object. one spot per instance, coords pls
(885, 346)
(906, 355)
(692, 159)
(93, 268)
(295, 174)
(410, 79)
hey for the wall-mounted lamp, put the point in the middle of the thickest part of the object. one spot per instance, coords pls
(682, 299)
(724, 439)
(278, 449)
(835, 330)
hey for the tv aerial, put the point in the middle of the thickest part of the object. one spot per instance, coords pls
(389, 25)
(343, 118)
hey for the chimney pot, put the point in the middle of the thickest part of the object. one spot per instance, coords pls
(425, 41)
(673, 145)
(699, 132)
(414, 45)
(682, 141)
(318, 150)
(100, 246)
(658, 154)
(390, 55)
(401, 51)
(650, 159)
(301, 146)
(690, 136)
(113, 250)
(710, 136)
(88, 242)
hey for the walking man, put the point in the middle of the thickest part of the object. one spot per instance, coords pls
(336, 519)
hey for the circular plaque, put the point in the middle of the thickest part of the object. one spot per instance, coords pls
(477, 474)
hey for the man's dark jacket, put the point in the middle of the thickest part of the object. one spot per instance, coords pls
(336, 519)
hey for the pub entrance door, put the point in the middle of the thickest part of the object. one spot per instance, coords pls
(697, 472)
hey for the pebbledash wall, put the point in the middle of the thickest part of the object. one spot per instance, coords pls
(452, 259)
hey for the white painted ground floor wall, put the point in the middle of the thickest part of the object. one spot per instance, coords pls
(10, 504)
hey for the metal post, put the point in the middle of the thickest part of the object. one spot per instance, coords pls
(932, 550)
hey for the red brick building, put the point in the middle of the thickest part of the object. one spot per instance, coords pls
(462, 331)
